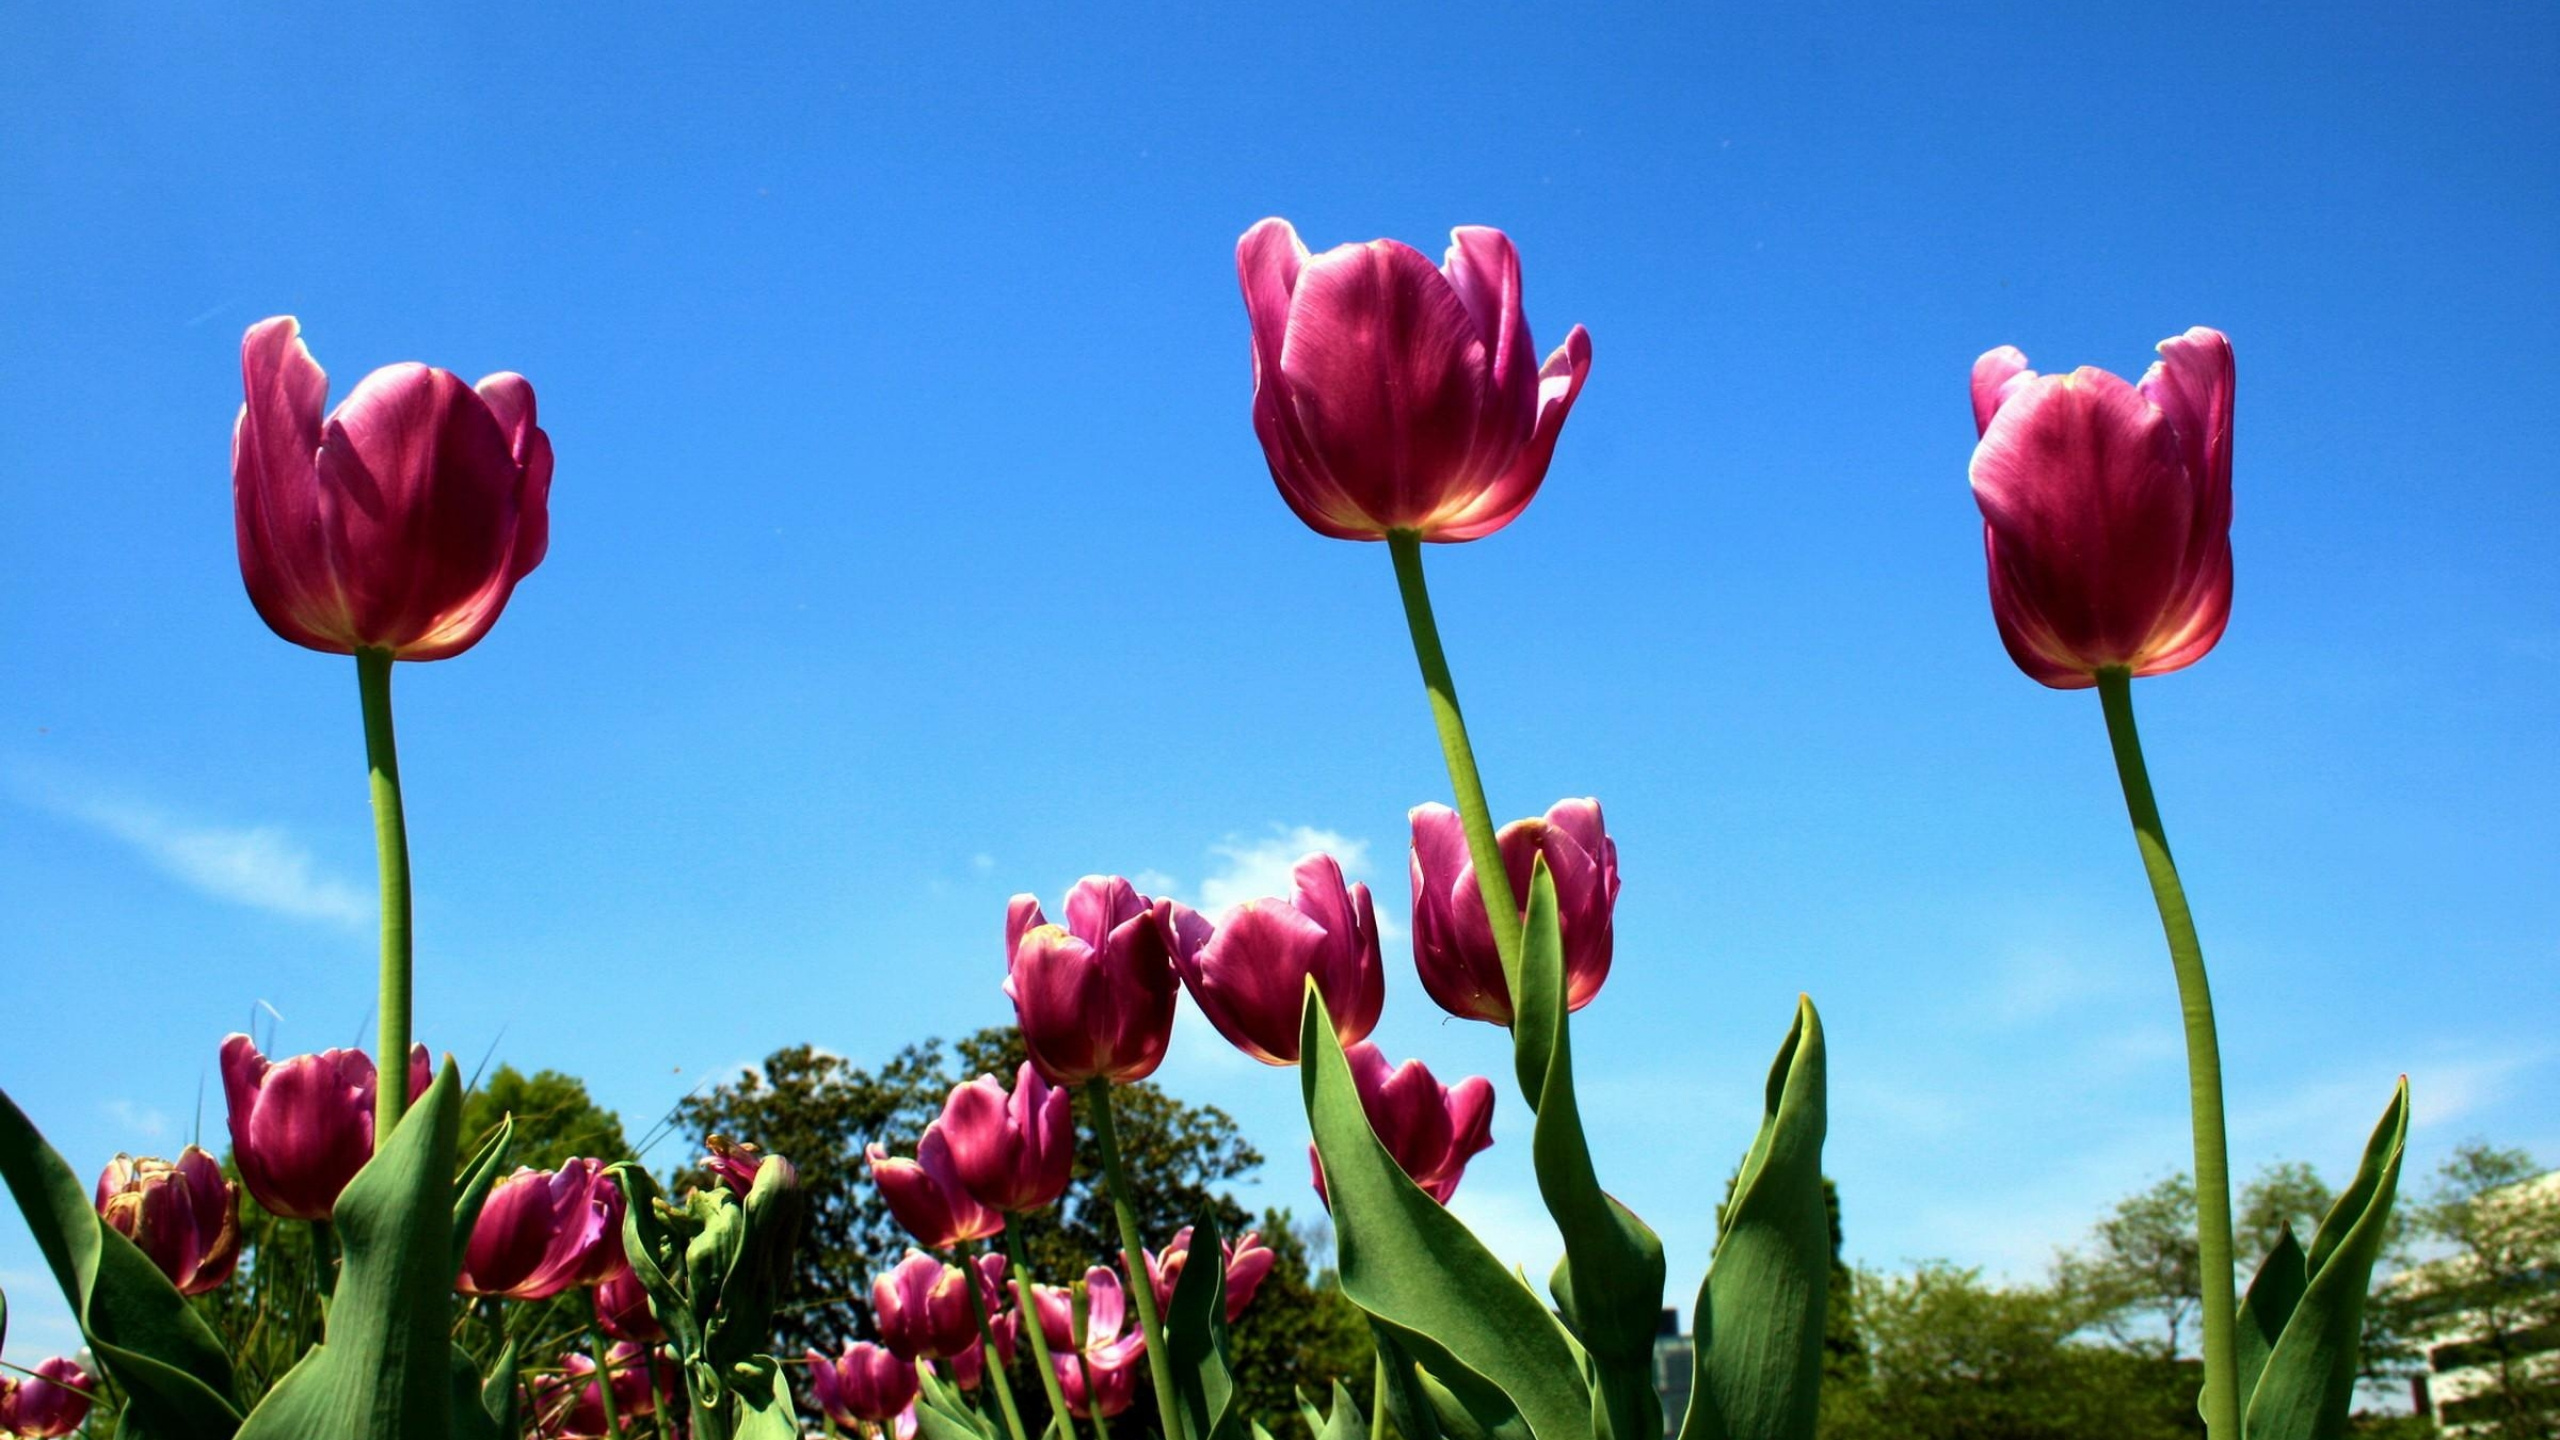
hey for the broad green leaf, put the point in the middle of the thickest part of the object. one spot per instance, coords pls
(146, 1337)
(385, 1369)
(1345, 1423)
(654, 1246)
(2309, 1379)
(1480, 1332)
(1408, 1408)
(1195, 1331)
(477, 1177)
(484, 1410)
(764, 1401)
(2273, 1293)
(1759, 1314)
(942, 1413)
(1609, 1283)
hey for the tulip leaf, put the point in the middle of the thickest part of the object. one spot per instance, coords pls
(485, 1410)
(1469, 1320)
(764, 1401)
(1408, 1408)
(144, 1334)
(1759, 1314)
(942, 1413)
(1195, 1329)
(477, 1178)
(384, 1371)
(1608, 1285)
(651, 1242)
(1345, 1423)
(2309, 1377)
(2274, 1293)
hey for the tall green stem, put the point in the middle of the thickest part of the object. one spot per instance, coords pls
(604, 1383)
(2204, 1061)
(1039, 1336)
(1133, 1255)
(993, 1366)
(391, 847)
(1491, 878)
(1378, 1398)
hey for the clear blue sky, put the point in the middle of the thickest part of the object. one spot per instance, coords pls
(911, 548)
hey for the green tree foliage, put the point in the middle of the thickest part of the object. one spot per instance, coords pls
(2488, 1301)
(556, 1120)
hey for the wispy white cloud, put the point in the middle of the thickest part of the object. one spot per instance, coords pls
(1241, 869)
(138, 1119)
(260, 866)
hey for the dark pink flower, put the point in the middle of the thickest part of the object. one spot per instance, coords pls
(1094, 997)
(923, 1307)
(182, 1214)
(2106, 510)
(1394, 395)
(403, 520)
(1014, 1152)
(1453, 941)
(1109, 1348)
(623, 1310)
(302, 1128)
(544, 1232)
(926, 1195)
(866, 1384)
(1431, 1129)
(47, 1402)
(1248, 1261)
(1249, 975)
(571, 1404)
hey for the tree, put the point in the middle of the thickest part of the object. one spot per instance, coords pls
(2140, 1282)
(556, 1119)
(2488, 1306)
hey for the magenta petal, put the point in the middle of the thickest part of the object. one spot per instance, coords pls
(1484, 268)
(1500, 502)
(1995, 375)
(2193, 383)
(1250, 979)
(1268, 260)
(274, 490)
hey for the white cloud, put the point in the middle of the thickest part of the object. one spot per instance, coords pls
(260, 866)
(982, 862)
(141, 1120)
(1251, 869)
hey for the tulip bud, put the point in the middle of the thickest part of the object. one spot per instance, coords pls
(926, 1195)
(543, 1232)
(1094, 997)
(301, 1128)
(1431, 1129)
(1250, 974)
(402, 521)
(1453, 945)
(1248, 1263)
(866, 1384)
(924, 1310)
(623, 1308)
(51, 1400)
(185, 1215)
(1392, 395)
(1013, 1152)
(2106, 510)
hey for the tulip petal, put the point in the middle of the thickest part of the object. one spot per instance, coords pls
(1995, 376)
(1484, 268)
(1268, 260)
(274, 493)
(1498, 504)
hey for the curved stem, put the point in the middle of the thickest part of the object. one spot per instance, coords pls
(391, 848)
(2204, 1061)
(1133, 1255)
(1499, 903)
(993, 1364)
(1039, 1337)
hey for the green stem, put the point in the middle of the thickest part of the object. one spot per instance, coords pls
(604, 1382)
(1133, 1255)
(1092, 1397)
(391, 847)
(1499, 904)
(1030, 1314)
(2204, 1061)
(1378, 1399)
(993, 1364)
(324, 1261)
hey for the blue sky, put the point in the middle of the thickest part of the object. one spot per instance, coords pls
(911, 548)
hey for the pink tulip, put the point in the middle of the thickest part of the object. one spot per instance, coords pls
(865, 1384)
(302, 1128)
(1248, 1261)
(2106, 510)
(571, 1404)
(184, 1215)
(1453, 941)
(969, 1367)
(923, 1306)
(1113, 1389)
(1394, 396)
(1013, 1152)
(926, 1196)
(1094, 997)
(49, 1401)
(1431, 1129)
(544, 1232)
(1250, 974)
(402, 521)
(623, 1309)
(733, 1163)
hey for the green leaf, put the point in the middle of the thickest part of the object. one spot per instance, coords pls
(1195, 1329)
(1346, 1422)
(2309, 1378)
(1465, 1317)
(385, 1369)
(484, 1410)
(1408, 1408)
(2273, 1295)
(477, 1177)
(655, 1248)
(764, 1401)
(146, 1337)
(1759, 1314)
(1609, 1283)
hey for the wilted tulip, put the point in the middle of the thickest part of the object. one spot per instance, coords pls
(544, 1232)
(49, 1401)
(1248, 1260)
(623, 1309)
(2106, 510)
(733, 1163)
(1431, 1129)
(1094, 997)
(866, 1384)
(1393, 395)
(182, 1214)
(403, 520)
(571, 1404)
(923, 1306)
(301, 1128)
(926, 1196)
(1014, 1152)
(1453, 941)
(1250, 974)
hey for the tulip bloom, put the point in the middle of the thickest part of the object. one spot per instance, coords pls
(302, 1128)
(1113, 1389)
(923, 1306)
(1431, 1129)
(733, 1163)
(50, 1401)
(1094, 997)
(572, 1403)
(865, 1384)
(403, 520)
(622, 1306)
(543, 1232)
(184, 1215)
(926, 1196)
(1453, 944)
(2106, 510)
(969, 1367)
(1012, 1152)
(1248, 1262)
(1393, 395)
(1250, 974)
